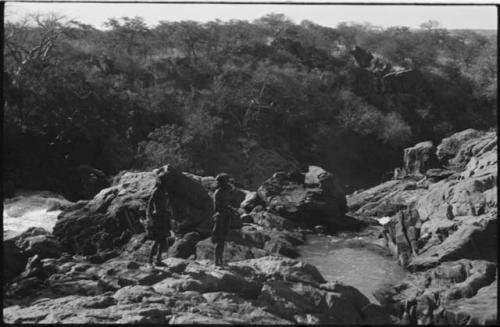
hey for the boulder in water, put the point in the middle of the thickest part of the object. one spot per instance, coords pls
(312, 198)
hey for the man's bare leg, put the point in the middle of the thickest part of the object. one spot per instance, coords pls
(153, 251)
(161, 247)
(219, 249)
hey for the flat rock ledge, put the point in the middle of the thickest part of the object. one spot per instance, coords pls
(267, 290)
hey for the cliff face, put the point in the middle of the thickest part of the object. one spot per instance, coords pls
(442, 226)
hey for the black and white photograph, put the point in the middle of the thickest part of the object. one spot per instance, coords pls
(241, 163)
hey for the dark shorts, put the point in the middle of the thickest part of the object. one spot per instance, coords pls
(157, 231)
(156, 235)
(218, 239)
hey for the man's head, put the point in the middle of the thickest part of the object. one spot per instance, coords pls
(222, 180)
(161, 178)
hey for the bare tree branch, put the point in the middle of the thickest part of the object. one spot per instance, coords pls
(44, 31)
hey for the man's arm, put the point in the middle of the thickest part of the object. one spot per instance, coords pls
(151, 204)
(217, 202)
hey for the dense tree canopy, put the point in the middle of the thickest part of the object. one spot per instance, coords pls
(219, 95)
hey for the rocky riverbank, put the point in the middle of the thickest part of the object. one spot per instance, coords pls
(93, 269)
(441, 213)
(439, 216)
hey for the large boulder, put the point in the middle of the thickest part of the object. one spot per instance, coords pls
(386, 199)
(114, 214)
(236, 194)
(419, 158)
(330, 303)
(185, 246)
(450, 146)
(480, 309)
(402, 233)
(314, 197)
(472, 192)
(407, 186)
(270, 220)
(472, 238)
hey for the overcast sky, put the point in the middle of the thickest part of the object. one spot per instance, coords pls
(451, 17)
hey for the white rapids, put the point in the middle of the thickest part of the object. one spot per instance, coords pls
(31, 209)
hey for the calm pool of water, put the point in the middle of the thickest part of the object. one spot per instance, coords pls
(366, 268)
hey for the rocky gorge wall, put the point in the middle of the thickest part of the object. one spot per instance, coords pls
(441, 223)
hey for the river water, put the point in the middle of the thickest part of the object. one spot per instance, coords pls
(352, 261)
(31, 209)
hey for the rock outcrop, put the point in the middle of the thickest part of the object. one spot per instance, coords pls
(442, 223)
(18, 250)
(453, 293)
(419, 158)
(314, 198)
(253, 241)
(451, 146)
(114, 214)
(386, 77)
(267, 290)
(386, 199)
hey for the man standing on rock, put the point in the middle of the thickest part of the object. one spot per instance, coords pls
(222, 216)
(158, 220)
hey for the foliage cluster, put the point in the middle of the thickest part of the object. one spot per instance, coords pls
(195, 95)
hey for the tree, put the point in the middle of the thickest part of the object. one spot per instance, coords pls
(188, 36)
(30, 41)
(130, 34)
(275, 23)
(430, 25)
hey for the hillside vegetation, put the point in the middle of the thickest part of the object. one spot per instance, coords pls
(240, 97)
